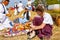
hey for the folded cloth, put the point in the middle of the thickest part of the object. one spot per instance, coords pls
(23, 20)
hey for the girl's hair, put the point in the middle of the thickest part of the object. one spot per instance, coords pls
(40, 8)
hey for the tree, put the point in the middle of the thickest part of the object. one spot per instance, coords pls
(36, 2)
(46, 2)
(49, 2)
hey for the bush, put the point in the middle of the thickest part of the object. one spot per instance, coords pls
(54, 14)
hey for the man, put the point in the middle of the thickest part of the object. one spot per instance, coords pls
(4, 21)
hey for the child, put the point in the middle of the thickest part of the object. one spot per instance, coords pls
(42, 24)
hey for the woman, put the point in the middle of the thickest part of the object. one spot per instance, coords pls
(25, 16)
(42, 24)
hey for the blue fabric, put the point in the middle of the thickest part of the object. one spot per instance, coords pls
(11, 23)
(29, 8)
(23, 20)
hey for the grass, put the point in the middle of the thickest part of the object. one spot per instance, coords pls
(56, 33)
(55, 36)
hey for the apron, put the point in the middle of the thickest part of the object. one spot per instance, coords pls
(46, 31)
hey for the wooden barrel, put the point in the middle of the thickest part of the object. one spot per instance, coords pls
(58, 20)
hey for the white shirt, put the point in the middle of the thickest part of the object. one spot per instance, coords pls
(2, 16)
(2, 9)
(20, 7)
(47, 19)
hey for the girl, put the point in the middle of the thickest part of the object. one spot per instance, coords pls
(42, 24)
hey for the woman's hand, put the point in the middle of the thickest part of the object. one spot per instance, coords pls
(32, 27)
(38, 27)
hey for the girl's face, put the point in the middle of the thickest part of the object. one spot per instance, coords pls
(39, 13)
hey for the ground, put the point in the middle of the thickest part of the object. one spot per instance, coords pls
(55, 36)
